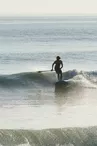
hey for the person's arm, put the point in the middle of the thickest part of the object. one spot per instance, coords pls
(52, 66)
(61, 64)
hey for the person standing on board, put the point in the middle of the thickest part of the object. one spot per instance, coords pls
(58, 65)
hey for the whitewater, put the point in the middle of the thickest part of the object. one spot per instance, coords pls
(36, 110)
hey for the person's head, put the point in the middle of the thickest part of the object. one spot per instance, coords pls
(58, 58)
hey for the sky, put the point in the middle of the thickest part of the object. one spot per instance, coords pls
(40, 7)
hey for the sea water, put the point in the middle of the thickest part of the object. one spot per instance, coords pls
(34, 109)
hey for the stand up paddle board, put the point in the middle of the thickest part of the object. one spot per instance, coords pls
(62, 82)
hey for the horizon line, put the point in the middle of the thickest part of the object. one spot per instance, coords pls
(53, 14)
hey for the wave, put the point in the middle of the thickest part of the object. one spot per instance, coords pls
(50, 137)
(23, 79)
(35, 79)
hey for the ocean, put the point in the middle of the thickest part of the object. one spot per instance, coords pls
(36, 110)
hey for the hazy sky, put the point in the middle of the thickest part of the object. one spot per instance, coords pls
(30, 7)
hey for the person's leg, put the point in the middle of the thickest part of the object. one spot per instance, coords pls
(57, 72)
(60, 75)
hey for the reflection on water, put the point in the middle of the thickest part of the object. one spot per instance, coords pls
(65, 93)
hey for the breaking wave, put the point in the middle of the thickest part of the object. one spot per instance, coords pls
(26, 79)
(50, 137)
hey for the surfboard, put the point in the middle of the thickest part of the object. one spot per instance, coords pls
(62, 82)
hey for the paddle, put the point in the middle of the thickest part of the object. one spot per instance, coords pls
(44, 71)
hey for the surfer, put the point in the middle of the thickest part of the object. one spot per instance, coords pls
(58, 66)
